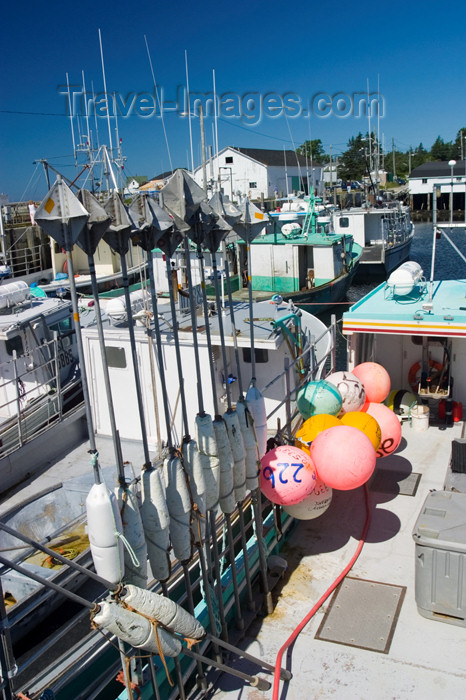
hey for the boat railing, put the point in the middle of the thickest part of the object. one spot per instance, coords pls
(235, 565)
(33, 395)
(26, 251)
(234, 550)
(307, 368)
(395, 225)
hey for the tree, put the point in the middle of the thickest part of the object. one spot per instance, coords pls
(352, 164)
(441, 150)
(459, 145)
(313, 149)
(419, 155)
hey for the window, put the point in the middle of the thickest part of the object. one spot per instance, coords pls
(14, 343)
(344, 222)
(116, 357)
(261, 355)
(252, 184)
(228, 159)
(424, 181)
(62, 326)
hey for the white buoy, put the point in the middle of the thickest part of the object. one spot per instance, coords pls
(256, 405)
(13, 293)
(193, 465)
(207, 445)
(250, 445)
(404, 278)
(227, 492)
(165, 610)
(136, 630)
(156, 522)
(239, 454)
(116, 307)
(133, 530)
(179, 508)
(104, 527)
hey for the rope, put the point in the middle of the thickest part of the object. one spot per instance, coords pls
(135, 561)
(215, 605)
(121, 678)
(454, 246)
(261, 539)
(156, 624)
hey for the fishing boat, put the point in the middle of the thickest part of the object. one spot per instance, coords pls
(308, 262)
(41, 396)
(372, 602)
(384, 232)
(268, 346)
(254, 582)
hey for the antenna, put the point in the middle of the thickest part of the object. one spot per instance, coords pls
(106, 96)
(158, 102)
(95, 118)
(216, 131)
(369, 119)
(71, 118)
(286, 171)
(189, 113)
(377, 178)
(86, 113)
(310, 152)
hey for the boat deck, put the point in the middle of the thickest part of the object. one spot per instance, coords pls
(76, 463)
(385, 649)
(382, 312)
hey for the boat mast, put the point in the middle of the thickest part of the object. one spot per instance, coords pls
(110, 144)
(70, 107)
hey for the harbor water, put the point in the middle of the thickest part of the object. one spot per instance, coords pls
(448, 265)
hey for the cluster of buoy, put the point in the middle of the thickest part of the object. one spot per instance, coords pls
(346, 429)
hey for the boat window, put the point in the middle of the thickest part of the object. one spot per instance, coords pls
(253, 184)
(62, 326)
(14, 343)
(116, 357)
(261, 355)
(228, 159)
(344, 222)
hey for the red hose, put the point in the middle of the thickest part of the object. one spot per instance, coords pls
(312, 612)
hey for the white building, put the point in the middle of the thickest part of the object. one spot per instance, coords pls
(256, 172)
(423, 178)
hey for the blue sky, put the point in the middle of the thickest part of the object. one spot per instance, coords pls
(415, 51)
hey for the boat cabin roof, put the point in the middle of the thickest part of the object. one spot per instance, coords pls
(382, 311)
(317, 239)
(15, 317)
(265, 335)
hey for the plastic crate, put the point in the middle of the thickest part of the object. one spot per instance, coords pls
(440, 573)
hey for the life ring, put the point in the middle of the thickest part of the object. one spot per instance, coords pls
(413, 378)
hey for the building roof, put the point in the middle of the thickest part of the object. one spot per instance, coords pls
(438, 168)
(269, 156)
(166, 174)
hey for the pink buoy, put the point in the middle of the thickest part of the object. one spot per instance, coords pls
(287, 475)
(390, 428)
(344, 457)
(351, 389)
(313, 505)
(375, 379)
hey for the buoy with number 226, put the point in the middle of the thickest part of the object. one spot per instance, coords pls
(287, 475)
